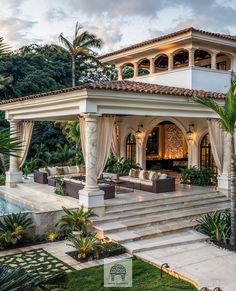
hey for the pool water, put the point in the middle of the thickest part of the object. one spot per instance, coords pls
(8, 206)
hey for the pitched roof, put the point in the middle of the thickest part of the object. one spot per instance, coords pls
(126, 86)
(170, 35)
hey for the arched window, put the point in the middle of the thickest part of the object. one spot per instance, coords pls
(128, 71)
(144, 67)
(161, 63)
(223, 62)
(180, 59)
(202, 59)
(131, 148)
(206, 157)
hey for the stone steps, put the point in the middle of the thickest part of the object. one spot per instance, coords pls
(131, 223)
(157, 199)
(138, 212)
(176, 239)
(150, 232)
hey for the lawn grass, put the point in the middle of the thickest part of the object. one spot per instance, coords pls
(145, 277)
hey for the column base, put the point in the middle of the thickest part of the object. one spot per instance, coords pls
(224, 184)
(93, 199)
(13, 178)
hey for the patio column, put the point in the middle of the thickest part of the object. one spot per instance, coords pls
(136, 69)
(191, 57)
(91, 196)
(152, 65)
(224, 178)
(171, 62)
(213, 60)
(120, 77)
(13, 175)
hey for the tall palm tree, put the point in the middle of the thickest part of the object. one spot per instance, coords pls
(227, 119)
(83, 43)
(4, 48)
(4, 80)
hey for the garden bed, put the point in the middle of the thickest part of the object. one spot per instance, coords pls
(109, 249)
(224, 246)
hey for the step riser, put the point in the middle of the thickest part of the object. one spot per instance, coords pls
(155, 234)
(160, 211)
(157, 204)
(130, 251)
(149, 201)
(163, 220)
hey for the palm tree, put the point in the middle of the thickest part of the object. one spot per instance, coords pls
(227, 119)
(4, 80)
(4, 48)
(81, 45)
(9, 145)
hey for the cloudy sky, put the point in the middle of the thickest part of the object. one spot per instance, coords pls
(118, 22)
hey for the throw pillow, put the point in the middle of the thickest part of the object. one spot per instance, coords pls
(153, 176)
(162, 176)
(143, 175)
(60, 171)
(52, 171)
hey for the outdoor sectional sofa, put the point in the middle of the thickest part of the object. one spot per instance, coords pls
(150, 181)
(44, 174)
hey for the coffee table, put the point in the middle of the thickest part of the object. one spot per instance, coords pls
(118, 183)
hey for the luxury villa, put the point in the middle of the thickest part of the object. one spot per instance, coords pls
(150, 118)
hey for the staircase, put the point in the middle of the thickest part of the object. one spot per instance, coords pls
(165, 220)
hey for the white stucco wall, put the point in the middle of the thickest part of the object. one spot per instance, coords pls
(192, 78)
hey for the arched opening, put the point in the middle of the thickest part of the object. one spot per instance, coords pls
(161, 63)
(166, 147)
(202, 59)
(144, 67)
(206, 157)
(181, 59)
(128, 71)
(223, 62)
(131, 148)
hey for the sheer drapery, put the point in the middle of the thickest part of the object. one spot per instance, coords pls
(104, 137)
(216, 139)
(115, 144)
(25, 134)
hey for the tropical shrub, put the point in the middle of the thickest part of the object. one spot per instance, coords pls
(86, 246)
(75, 220)
(196, 176)
(59, 189)
(120, 167)
(111, 248)
(13, 228)
(2, 180)
(216, 225)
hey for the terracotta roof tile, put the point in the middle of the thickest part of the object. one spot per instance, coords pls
(170, 35)
(127, 86)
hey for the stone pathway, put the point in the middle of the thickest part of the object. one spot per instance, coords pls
(57, 250)
(204, 264)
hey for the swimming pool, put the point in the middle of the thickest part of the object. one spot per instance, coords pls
(10, 206)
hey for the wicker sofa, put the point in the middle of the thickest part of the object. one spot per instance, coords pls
(44, 174)
(150, 181)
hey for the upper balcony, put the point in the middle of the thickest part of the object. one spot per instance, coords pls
(191, 68)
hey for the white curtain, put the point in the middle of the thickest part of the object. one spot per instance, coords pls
(115, 143)
(216, 139)
(104, 137)
(25, 134)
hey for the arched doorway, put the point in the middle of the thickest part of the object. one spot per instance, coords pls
(206, 157)
(131, 148)
(166, 147)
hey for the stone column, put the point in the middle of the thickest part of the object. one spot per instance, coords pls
(120, 77)
(224, 178)
(136, 69)
(152, 65)
(213, 60)
(171, 62)
(233, 63)
(91, 196)
(13, 175)
(191, 57)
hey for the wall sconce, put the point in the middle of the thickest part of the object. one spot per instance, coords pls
(190, 132)
(138, 132)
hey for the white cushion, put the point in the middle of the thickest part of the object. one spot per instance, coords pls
(126, 178)
(146, 182)
(43, 170)
(52, 171)
(163, 176)
(66, 170)
(134, 180)
(73, 169)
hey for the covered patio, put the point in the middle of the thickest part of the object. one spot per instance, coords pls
(119, 105)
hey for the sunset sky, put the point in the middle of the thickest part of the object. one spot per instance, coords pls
(118, 23)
